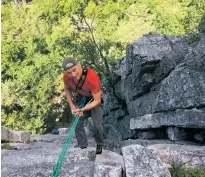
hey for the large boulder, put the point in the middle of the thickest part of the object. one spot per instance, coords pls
(185, 86)
(189, 155)
(149, 60)
(143, 105)
(159, 76)
(105, 167)
(19, 136)
(140, 162)
(156, 75)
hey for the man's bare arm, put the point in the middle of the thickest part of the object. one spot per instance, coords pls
(96, 101)
(68, 95)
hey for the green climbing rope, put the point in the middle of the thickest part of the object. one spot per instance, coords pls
(58, 164)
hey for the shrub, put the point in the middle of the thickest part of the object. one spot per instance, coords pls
(179, 170)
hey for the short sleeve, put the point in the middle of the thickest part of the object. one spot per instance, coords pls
(65, 78)
(95, 84)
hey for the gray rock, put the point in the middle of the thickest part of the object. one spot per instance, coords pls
(193, 118)
(123, 126)
(190, 156)
(114, 167)
(4, 134)
(184, 88)
(150, 134)
(143, 105)
(159, 74)
(108, 105)
(19, 136)
(40, 161)
(45, 138)
(112, 133)
(116, 146)
(151, 142)
(139, 75)
(38, 158)
(112, 145)
(195, 60)
(120, 88)
(139, 161)
(63, 130)
(120, 68)
(149, 60)
(115, 114)
(176, 133)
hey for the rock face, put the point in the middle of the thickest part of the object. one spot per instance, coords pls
(161, 85)
(138, 158)
(39, 157)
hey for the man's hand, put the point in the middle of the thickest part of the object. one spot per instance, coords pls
(78, 112)
(72, 109)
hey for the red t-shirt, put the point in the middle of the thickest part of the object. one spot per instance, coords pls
(92, 84)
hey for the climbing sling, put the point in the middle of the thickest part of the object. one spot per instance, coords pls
(58, 164)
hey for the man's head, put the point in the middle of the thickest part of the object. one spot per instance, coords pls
(68, 63)
(72, 67)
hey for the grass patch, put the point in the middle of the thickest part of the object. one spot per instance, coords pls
(182, 171)
(7, 146)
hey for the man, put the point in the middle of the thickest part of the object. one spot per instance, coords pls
(85, 83)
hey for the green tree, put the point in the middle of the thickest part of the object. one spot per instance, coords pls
(38, 34)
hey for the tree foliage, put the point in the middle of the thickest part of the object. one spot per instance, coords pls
(38, 34)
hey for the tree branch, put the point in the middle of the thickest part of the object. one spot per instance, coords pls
(98, 48)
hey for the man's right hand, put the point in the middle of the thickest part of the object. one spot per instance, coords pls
(77, 112)
(80, 114)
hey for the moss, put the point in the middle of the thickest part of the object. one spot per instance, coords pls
(182, 171)
(194, 37)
